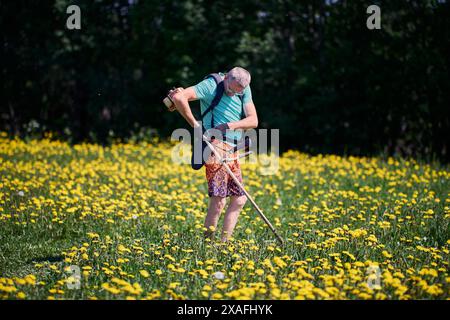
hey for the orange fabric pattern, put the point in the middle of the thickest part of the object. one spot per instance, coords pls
(220, 183)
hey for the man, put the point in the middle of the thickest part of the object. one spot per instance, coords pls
(227, 118)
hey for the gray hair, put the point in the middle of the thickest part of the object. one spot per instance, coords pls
(240, 75)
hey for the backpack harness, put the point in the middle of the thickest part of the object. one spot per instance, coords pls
(219, 93)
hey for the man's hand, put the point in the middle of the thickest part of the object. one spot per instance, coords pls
(171, 93)
(176, 90)
(223, 127)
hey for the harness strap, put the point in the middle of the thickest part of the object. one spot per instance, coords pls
(219, 93)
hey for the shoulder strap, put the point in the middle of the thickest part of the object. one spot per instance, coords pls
(219, 93)
(242, 104)
(217, 78)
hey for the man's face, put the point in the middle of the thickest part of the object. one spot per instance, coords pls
(232, 87)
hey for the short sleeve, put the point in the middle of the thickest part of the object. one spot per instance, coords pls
(205, 89)
(247, 96)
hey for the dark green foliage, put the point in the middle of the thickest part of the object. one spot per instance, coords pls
(323, 78)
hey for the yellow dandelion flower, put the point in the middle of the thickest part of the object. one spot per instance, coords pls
(144, 273)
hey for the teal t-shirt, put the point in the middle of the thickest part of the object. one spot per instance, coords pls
(229, 109)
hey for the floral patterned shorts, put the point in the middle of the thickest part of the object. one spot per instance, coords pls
(220, 183)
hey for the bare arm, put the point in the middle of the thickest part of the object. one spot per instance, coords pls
(249, 122)
(181, 98)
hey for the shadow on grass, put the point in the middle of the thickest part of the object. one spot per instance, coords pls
(46, 259)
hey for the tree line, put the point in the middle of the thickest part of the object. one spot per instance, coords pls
(330, 84)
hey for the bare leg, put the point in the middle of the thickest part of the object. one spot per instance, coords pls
(231, 216)
(216, 205)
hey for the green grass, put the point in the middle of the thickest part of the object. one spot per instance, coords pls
(131, 211)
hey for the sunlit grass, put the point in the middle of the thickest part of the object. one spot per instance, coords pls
(131, 222)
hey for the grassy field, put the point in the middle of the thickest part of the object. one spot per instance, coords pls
(124, 222)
